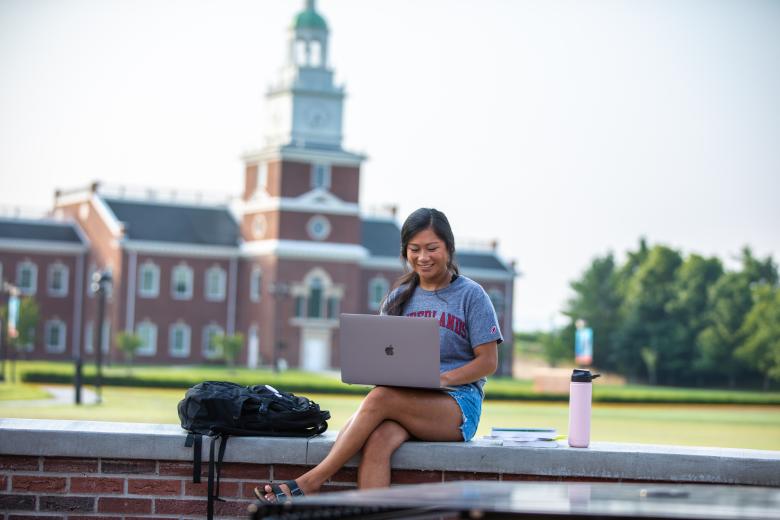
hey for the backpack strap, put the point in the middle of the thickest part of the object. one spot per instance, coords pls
(214, 471)
(220, 456)
(195, 440)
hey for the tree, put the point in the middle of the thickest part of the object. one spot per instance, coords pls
(128, 343)
(597, 301)
(646, 320)
(27, 324)
(761, 332)
(555, 348)
(688, 308)
(229, 347)
(730, 301)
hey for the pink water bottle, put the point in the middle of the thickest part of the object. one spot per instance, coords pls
(580, 394)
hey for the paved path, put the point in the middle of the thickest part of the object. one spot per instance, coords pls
(60, 395)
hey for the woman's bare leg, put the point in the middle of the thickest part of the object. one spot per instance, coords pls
(374, 469)
(427, 415)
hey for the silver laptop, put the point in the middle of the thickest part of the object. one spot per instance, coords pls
(390, 351)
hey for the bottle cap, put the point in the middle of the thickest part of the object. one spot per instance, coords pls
(583, 376)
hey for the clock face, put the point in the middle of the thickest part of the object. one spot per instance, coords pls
(317, 116)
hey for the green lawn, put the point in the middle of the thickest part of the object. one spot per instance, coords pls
(21, 392)
(755, 427)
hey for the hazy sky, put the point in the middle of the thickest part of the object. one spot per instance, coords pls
(565, 129)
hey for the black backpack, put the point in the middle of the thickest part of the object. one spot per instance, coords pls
(220, 409)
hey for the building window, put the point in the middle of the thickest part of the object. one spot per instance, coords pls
(215, 284)
(318, 227)
(181, 282)
(262, 176)
(58, 279)
(333, 307)
(148, 280)
(259, 226)
(54, 331)
(320, 176)
(314, 309)
(27, 277)
(89, 337)
(300, 306)
(147, 331)
(377, 289)
(497, 299)
(255, 284)
(210, 350)
(179, 340)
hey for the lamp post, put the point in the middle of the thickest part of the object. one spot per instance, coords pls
(101, 281)
(279, 290)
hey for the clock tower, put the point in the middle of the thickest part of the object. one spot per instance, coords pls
(300, 215)
(305, 104)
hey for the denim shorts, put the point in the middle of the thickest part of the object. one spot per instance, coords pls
(469, 399)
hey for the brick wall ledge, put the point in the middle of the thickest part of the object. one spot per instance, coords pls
(602, 461)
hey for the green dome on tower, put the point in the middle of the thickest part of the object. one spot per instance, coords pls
(309, 18)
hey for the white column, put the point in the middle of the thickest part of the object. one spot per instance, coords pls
(132, 272)
(231, 307)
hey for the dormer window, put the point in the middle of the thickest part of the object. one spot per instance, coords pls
(320, 176)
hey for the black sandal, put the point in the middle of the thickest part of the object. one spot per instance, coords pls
(281, 496)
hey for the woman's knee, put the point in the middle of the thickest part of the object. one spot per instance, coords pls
(381, 398)
(384, 440)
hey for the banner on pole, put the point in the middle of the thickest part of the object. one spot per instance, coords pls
(13, 315)
(583, 345)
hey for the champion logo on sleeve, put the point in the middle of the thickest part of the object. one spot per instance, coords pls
(493, 329)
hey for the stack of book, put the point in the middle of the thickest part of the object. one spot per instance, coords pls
(528, 437)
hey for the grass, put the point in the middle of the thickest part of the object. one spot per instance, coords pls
(730, 426)
(19, 392)
(183, 377)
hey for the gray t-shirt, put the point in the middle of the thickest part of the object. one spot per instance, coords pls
(466, 317)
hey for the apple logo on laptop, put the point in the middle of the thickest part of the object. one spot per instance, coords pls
(389, 350)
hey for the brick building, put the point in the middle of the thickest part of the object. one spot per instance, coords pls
(277, 264)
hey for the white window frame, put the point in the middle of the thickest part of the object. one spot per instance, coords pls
(212, 329)
(153, 291)
(147, 331)
(377, 285)
(33, 268)
(90, 337)
(186, 331)
(60, 347)
(320, 176)
(64, 273)
(256, 284)
(189, 279)
(214, 284)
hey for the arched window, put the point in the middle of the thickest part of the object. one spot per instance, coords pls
(148, 280)
(377, 289)
(181, 282)
(215, 283)
(27, 277)
(255, 284)
(58, 280)
(54, 332)
(315, 298)
(147, 331)
(210, 349)
(179, 340)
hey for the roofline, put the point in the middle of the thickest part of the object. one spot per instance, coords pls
(340, 157)
(176, 249)
(305, 250)
(42, 246)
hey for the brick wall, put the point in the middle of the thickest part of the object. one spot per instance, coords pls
(77, 488)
